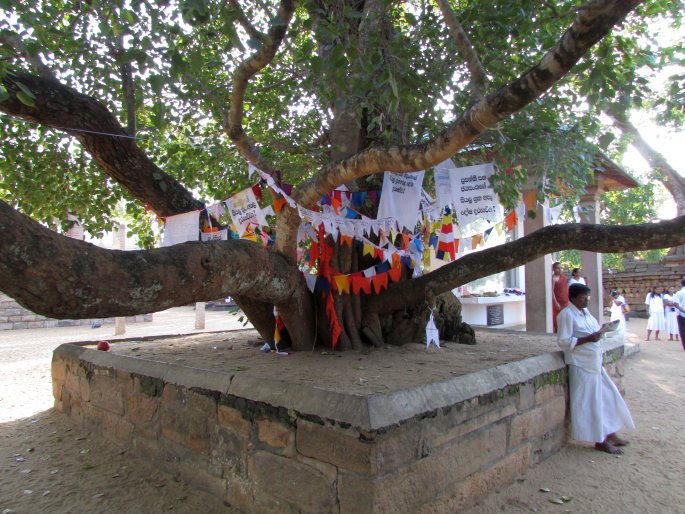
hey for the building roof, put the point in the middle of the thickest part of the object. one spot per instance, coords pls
(611, 177)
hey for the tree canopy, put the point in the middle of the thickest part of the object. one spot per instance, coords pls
(143, 107)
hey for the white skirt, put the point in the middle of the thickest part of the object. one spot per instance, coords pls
(597, 407)
(671, 322)
(656, 321)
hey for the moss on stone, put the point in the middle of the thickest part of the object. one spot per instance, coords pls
(254, 411)
(150, 386)
(553, 377)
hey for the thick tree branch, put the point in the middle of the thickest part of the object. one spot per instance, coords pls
(593, 238)
(61, 277)
(244, 73)
(670, 178)
(479, 79)
(62, 108)
(591, 25)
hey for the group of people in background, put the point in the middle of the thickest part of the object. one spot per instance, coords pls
(662, 309)
(666, 311)
(597, 409)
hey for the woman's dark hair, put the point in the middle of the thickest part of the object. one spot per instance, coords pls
(576, 290)
(652, 293)
(575, 270)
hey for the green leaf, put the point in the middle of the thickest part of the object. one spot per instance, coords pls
(4, 95)
(156, 83)
(606, 139)
(393, 85)
(26, 99)
(25, 89)
(131, 17)
(162, 186)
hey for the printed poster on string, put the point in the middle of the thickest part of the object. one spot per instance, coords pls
(401, 197)
(245, 211)
(443, 184)
(473, 196)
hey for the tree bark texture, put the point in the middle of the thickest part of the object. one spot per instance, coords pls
(61, 277)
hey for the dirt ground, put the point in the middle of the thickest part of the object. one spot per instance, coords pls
(47, 464)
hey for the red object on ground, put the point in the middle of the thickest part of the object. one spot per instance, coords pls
(103, 345)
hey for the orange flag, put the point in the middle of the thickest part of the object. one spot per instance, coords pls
(510, 220)
(278, 204)
(395, 273)
(335, 202)
(380, 282)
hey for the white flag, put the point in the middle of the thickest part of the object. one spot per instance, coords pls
(181, 228)
(401, 197)
(474, 198)
(432, 334)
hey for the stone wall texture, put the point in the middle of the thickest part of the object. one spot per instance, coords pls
(638, 278)
(260, 457)
(15, 317)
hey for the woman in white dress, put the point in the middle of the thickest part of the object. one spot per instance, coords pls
(656, 321)
(616, 309)
(671, 316)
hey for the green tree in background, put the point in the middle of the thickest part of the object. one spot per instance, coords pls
(137, 107)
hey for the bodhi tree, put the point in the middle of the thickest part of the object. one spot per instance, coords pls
(147, 106)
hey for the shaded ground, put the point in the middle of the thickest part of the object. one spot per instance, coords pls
(49, 465)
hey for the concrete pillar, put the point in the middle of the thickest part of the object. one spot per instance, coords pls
(119, 243)
(591, 262)
(538, 282)
(199, 315)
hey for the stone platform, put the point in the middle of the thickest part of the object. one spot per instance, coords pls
(399, 429)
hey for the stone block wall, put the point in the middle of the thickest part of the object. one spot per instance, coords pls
(266, 457)
(15, 317)
(638, 278)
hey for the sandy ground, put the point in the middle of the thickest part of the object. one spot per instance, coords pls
(47, 464)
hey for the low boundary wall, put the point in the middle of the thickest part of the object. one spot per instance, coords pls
(270, 446)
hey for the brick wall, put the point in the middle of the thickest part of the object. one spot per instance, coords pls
(638, 278)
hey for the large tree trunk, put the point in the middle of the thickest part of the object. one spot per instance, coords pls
(63, 278)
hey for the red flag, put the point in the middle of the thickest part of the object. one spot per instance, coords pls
(257, 190)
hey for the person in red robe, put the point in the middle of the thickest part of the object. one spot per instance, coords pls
(559, 292)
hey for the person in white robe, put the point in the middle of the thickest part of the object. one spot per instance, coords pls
(679, 303)
(670, 315)
(616, 310)
(597, 408)
(576, 278)
(655, 309)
